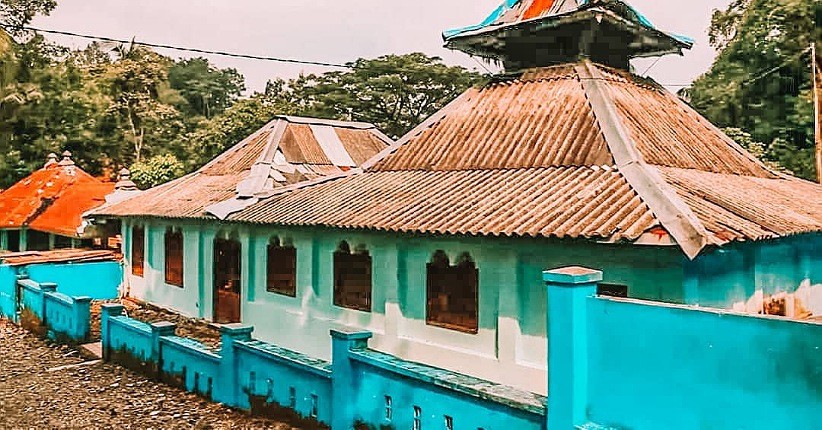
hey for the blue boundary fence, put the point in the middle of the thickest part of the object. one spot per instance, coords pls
(360, 387)
(54, 314)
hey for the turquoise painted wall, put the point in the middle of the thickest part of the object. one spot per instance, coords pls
(62, 317)
(657, 367)
(723, 276)
(100, 280)
(266, 378)
(8, 292)
(437, 394)
(511, 344)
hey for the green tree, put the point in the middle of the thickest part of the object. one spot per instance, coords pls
(16, 13)
(394, 92)
(207, 90)
(157, 170)
(761, 78)
(142, 100)
(237, 122)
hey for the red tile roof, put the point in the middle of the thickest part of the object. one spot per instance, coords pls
(52, 199)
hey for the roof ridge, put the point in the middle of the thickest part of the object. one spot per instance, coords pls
(658, 195)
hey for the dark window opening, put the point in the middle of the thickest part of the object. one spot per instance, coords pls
(62, 242)
(37, 241)
(174, 257)
(281, 267)
(13, 240)
(352, 278)
(292, 397)
(138, 250)
(417, 424)
(452, 293)
(449, 423)
(227, 281)
(612, 290)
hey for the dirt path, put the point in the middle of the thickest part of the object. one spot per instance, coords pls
(95, 396)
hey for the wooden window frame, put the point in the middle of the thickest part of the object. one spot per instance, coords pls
(445, 286)
(174, 247)
(138, 258)
(347, 264)
(281, 268)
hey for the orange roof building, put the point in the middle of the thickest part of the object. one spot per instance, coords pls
(44, 210)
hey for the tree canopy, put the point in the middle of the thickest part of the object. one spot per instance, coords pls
(124, 105)
(761, 80)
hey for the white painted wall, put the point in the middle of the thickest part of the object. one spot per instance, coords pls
(510, 347)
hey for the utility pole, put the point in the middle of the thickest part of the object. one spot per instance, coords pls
(817, 110)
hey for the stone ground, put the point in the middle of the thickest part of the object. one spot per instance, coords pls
(96, 396)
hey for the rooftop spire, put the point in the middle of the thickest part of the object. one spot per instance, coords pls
(533, 33)
(66, 161)
(51, 159)
(125, 183)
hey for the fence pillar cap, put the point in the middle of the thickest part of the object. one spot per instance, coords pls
(573, 275)
(82, 299)
(48, 286)
(163, 327)
(236, 329)
(112, 308)
(351, 335)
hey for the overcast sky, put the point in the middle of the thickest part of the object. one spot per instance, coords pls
(338, 31)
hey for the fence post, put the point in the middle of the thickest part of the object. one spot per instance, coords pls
(343, 384)
(45, 288)
(229, 384)
(159, 329)
(107, 311)
(82, 318)
(568, 290)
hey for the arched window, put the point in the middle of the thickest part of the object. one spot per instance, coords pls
(174, 257)
(352, 278)
(281, 267)
(452, 293)
(138, 249)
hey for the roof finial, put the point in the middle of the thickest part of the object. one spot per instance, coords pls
(51, 159)
(66, 161)
(125, 183)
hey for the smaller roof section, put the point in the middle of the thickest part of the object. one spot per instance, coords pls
(286, 151)
(53, 198)
(536, 33)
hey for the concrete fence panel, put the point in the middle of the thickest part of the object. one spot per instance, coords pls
(49, 313)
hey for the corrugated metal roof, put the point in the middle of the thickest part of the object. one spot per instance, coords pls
(285, 151)
(736, 207)
(670, 133)
(57, 256)
(52, 199)
(542, 120)
(523, 157)
(556, 201)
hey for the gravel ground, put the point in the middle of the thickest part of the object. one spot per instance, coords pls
(97, 396)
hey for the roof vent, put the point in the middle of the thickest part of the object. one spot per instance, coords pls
(125, 183)
(66, 161)
(51, 159)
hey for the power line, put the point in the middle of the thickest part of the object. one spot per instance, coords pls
(766, 73)
(261, 57)
(176, 48)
